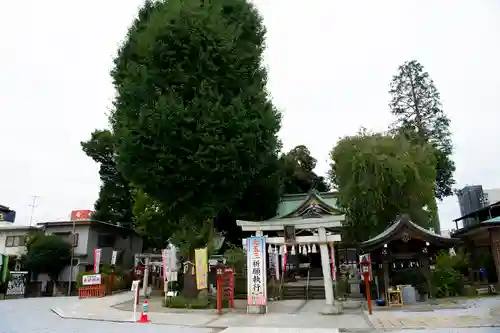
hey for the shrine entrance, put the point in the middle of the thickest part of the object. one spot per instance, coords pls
(402, 256)
(299, 242)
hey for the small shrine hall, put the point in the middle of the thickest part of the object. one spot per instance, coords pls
(403, 245)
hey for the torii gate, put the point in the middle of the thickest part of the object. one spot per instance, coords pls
(322, 238)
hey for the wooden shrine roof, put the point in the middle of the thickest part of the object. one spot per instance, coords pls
(404, 223)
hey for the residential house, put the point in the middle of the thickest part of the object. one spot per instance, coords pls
(89, 235)
(12, 242)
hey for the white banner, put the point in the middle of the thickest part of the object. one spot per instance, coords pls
(171, 276)
(277, 263)
(113, 257)
(164, 258)
(332, 260)
(169, 262)
(92, 279)
(97, 260)
(256, 271)
(135, 285)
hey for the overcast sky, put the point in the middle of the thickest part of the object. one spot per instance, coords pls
(330, 64)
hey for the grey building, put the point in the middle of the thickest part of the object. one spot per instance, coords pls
(470, 199)
(89, 235)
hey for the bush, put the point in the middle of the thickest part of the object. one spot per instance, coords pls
(182, 302)
(446, 279)
(236, 258)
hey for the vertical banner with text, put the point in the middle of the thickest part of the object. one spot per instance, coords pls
(201, 262)
(97, 260)
(277, 263)
(164, 259)
(256, 271)
(332, 255)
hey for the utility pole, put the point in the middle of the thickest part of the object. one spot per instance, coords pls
(33, 206)
(70, 278)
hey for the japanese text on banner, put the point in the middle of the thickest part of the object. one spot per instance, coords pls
(164, 259)
(97, 260)
(201, 263)
(257, 293)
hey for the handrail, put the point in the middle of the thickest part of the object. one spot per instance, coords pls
(307, 284)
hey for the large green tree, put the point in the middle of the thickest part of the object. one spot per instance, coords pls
(114, 203)
(298, 172)
(379, 177)
(416, 104)
(192, 114)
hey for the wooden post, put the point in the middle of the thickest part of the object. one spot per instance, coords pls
(219, 293)
(112, 281)
(368, 292)
(385, 267)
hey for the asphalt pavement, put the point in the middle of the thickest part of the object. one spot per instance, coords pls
(453, 330)
(33, 315)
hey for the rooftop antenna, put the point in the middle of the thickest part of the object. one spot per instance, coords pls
(33, 206)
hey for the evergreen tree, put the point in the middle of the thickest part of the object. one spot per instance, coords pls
(195, 125)
(416, 104)
(114, 204)
(298, 172)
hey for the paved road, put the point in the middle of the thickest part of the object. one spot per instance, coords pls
(33, 315)
(453, 330)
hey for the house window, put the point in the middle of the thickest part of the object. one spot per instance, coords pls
(12, 241)
(106, 240)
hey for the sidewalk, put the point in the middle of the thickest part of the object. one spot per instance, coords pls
(478, 313)
(102, 309)
(306, 320)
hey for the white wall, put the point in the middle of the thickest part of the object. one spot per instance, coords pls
(83, 236)
(15, 250)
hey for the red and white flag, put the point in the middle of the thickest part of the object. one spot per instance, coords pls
(332, 255)
(97, 260)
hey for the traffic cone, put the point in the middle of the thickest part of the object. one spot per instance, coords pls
(144, 314)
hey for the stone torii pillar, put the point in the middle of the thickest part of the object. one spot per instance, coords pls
(331, 307)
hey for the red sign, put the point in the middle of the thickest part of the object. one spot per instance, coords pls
(77, 215)
(225, 287)
(138, 272)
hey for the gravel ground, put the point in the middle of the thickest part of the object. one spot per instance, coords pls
(33, 315)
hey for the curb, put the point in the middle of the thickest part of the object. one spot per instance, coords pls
(63, 316)
(60, 313)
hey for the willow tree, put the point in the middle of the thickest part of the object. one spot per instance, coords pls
(379, 177)
(192, 115)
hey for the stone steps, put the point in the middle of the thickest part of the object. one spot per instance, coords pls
(302, 292)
